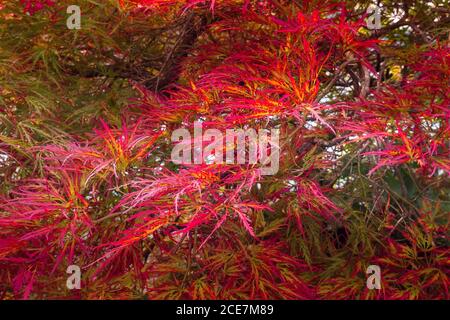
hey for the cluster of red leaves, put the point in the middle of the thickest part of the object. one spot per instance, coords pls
(33, 6)
(411, 124)
(137, 225)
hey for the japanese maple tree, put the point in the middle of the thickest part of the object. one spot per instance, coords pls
(86, 175)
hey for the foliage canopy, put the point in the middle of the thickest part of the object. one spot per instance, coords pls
(85, 171)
